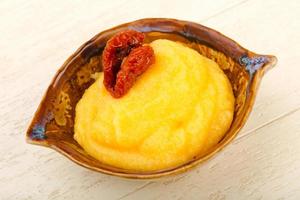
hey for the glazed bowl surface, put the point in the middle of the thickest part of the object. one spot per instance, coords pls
(53, 123)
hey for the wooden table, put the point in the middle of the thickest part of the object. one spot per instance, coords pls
(263, 162)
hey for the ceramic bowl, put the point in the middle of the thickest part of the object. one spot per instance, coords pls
(53, 122)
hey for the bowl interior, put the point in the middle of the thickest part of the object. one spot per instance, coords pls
(53, 122)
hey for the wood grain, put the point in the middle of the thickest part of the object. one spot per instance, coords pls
(36, 38)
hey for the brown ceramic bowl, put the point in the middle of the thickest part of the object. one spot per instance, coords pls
(52, 124)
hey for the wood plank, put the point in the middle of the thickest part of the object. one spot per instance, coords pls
(41, 35)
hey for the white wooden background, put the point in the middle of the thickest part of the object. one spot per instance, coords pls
(263, 162)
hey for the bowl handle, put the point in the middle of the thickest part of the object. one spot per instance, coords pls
(36, 135)
(254, 62)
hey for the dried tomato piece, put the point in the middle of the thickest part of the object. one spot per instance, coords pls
(117, 48)
(137, 62)
(120, 72)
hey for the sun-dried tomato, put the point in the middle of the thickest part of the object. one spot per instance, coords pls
(137, 62)
(123, 60)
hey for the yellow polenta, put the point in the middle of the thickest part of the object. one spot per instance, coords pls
(181, 106)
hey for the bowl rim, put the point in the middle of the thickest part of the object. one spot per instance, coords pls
(271, 62)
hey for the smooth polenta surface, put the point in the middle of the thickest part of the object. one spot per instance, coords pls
(181, 106)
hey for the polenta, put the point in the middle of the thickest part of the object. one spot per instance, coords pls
(177, 109)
